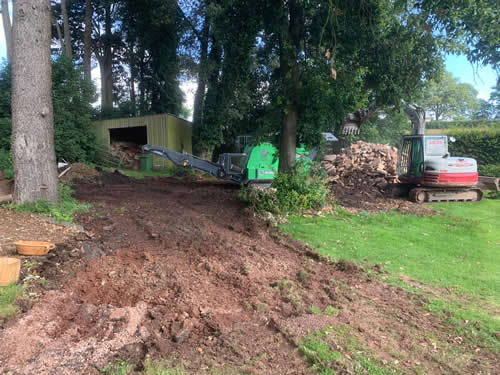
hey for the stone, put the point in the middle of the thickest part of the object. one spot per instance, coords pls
(182, 335)
(118, 315)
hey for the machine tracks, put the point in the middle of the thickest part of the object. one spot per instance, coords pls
(423, 194)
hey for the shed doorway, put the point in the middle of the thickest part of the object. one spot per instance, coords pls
(126, 144)
(136, 135)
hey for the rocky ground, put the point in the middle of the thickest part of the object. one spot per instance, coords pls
(180, 269)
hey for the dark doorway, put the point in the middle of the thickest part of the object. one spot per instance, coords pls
(137, 135)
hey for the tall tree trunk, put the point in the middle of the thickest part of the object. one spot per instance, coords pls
(106, 64)
(132, 80)
(87, 40)
(7, 27)
(67, 35)
(59, 33)
(291, 31)
(202, 76)
(32, 117)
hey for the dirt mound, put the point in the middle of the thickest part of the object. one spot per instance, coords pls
(80, 172)
(113, 178)
(360, 178)
(193, 273)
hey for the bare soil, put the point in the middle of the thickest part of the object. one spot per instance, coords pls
(365, 198)
(181, 269)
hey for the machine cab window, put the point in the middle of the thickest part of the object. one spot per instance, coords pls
(436, 146)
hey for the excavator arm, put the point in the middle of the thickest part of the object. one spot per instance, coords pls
(353, 121)
(185, 160)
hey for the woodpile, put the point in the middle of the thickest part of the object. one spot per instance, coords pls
(364, 166)
(127, 153)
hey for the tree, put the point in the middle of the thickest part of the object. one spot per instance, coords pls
(495, 100)
(67, 35)
(487, 111)
(447, 97)
(32, 115)
(7, 27)
(87, 39)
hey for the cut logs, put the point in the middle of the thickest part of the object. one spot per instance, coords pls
(363, 166)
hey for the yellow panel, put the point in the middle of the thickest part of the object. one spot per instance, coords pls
(163, 130)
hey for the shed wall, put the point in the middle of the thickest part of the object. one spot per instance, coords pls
(163, 130)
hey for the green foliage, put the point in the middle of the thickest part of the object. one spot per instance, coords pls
(447, 97)
(6, 164)
(121, 367)
(72, 99)
(292, 193)
(388, 127)
(162, 368)
(463, 124)
(9, 295)
(118, 367)
(317, 349)
(64, 210)
(491, 170)
(493, 195)
(480, 144)
(5, 132)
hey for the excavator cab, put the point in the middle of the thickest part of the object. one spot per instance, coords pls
(411, 158)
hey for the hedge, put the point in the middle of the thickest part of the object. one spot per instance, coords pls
(481, 144)
(463, 124)
(491, 170)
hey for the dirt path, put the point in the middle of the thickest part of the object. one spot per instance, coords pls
(181, 270)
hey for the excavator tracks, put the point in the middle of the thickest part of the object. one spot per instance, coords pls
(422, 194)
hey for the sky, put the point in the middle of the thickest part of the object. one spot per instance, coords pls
(482, 78)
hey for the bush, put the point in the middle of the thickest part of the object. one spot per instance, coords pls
(301, 190)
(481, 144)
(64, 210)
(491, 170)
(463, 124)
(72, 97)
(6, 164)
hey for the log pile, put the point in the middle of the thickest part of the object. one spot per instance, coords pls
(364, 166)
(127, 153)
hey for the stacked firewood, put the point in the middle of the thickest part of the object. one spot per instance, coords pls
(127, 153)
(363, 166)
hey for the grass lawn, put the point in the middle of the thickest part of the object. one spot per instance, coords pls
(8, 296)
(458, 251)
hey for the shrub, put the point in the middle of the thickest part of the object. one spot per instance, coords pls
(481, 144)
(73, 97)
(6, 164)
(491, 170)
(294, 192)
(64, 210)
(463, 124)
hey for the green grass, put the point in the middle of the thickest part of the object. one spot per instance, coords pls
(9, 295)
(64, 210)
(121, 367)
(140, 174)
(457, 251)
(349, 356)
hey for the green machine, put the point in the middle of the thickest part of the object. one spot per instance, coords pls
(257, 164)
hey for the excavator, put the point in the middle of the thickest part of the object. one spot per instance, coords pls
(256, 166)
(426, 170)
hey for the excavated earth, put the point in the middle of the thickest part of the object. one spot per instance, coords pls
(181, 269)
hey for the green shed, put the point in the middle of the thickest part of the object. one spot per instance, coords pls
(163, 130)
